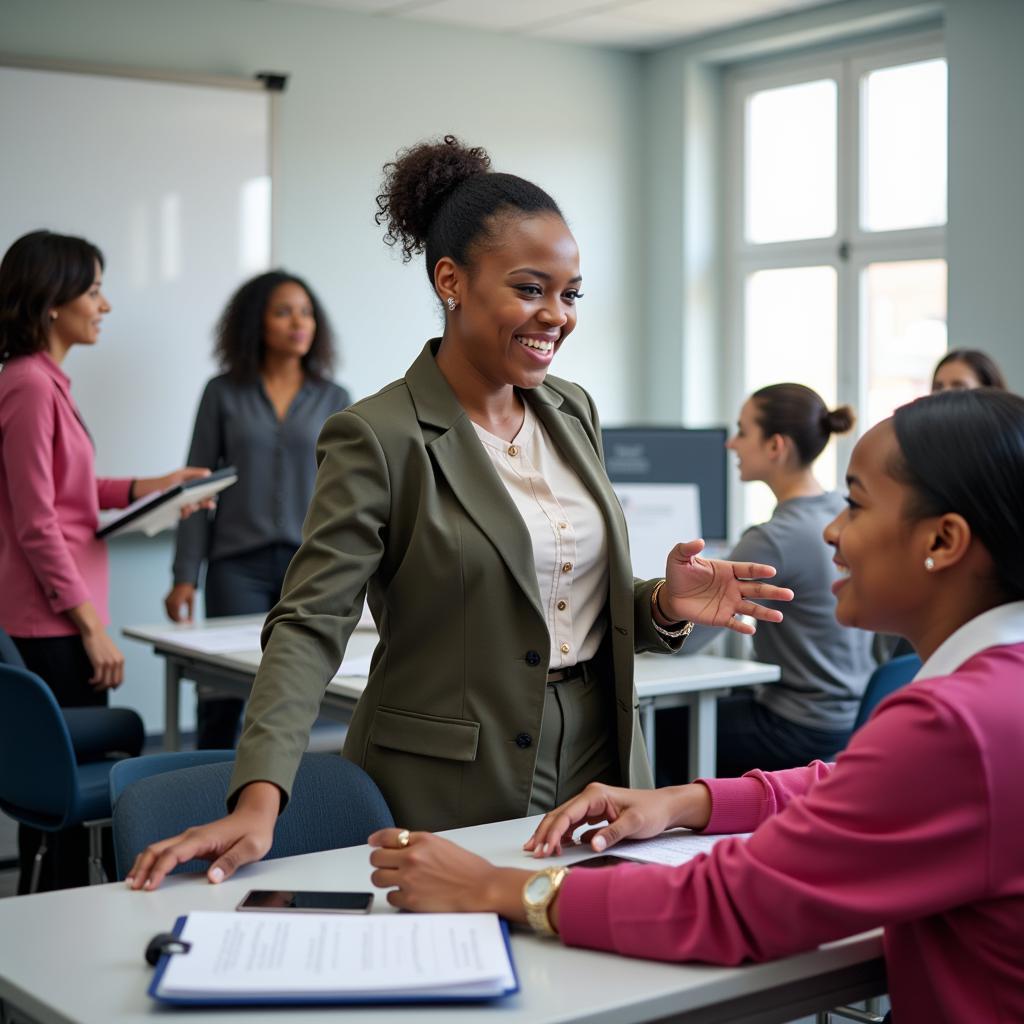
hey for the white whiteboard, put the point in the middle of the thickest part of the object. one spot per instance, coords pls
(171, 181)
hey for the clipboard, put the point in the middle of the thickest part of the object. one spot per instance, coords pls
(163, 947)
(161, 511)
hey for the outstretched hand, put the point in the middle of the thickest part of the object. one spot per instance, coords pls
(714, 592)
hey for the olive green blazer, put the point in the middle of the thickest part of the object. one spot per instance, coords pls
(409, 510)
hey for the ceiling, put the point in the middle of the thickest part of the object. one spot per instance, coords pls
(630, 24)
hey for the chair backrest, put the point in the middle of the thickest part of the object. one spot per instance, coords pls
(38, 770)
(334, 804)
(129, 771)
(9, 654)
(884, 680)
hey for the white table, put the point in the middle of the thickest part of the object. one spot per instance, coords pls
(662, 681)
(77, 955)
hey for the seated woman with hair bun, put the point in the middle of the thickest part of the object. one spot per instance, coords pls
(825, 666)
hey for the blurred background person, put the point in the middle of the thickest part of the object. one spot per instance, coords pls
(967, 368)
(262, 415)
(809, 712)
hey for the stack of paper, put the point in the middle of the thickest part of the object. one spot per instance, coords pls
(258, 958)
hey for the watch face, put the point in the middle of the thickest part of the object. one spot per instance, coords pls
(538, 887)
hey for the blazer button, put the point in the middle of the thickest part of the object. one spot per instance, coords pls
(524, 740)
(532, 658)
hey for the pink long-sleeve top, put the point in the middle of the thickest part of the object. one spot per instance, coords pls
(50, 497)
(919, 826)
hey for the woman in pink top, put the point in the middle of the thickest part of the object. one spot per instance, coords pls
(917, 826)
(54, 598)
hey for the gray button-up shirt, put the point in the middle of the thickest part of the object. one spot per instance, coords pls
(276, 460)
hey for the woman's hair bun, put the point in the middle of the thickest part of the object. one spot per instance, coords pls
(417, 183)
(839, 421)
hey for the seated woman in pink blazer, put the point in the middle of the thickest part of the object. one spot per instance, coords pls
(916, 827)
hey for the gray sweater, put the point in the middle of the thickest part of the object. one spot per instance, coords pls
(825, 666)
(236, 425)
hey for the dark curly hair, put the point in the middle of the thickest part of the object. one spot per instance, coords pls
(799, 413)
(41, 270)
(963, 451)
(441, 197)
(240, 347)
(982, 365)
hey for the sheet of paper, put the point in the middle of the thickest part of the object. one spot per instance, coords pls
(217, 639)
(355, 665)
(266, 953)
(671, 848)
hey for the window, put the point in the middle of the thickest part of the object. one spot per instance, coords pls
(836, 233)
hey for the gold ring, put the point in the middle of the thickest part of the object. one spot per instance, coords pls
(403, 839)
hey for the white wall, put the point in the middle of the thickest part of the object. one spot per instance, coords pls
(360, 88)
(986, 168)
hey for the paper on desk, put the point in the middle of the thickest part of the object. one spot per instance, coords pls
(254, 954)
(671, 848)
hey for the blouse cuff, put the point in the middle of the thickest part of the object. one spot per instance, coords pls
(737, 805)
(584, 917)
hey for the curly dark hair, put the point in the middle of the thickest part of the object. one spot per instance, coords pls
(41, 270)
(239, 348)
(441, 197)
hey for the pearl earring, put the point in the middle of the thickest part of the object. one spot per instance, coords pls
(929, 563)
(451, 304)
(53, 314)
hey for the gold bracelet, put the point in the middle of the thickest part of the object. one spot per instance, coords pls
(684, 631)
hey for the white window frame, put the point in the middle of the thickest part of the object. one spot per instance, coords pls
(850, 249)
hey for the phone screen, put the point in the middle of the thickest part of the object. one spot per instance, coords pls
(309, 902)
(605, 860)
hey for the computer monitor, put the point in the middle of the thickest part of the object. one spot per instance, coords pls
(674, 455)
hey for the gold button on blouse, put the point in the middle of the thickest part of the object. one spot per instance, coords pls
(513, 450)
(567, 567)
(564, 648)
(563, 526)
(562, 606)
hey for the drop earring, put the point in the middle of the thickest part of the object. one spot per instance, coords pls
(451, 304)
(929, 563)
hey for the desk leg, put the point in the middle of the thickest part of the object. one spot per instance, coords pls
(172, 704)
(647, 726)
(703, 734)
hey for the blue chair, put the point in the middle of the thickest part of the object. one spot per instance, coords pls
(42, 783)
(884, 680)
(132, 769)
(96, 733)
(333, 804)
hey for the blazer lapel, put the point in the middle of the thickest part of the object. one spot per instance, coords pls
(465, 465)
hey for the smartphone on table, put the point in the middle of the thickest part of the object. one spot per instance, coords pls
(604, 860)
(307, 902)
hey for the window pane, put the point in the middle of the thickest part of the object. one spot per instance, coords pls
(791, 163)
(904, 146)
(791, 336)
(904, 329)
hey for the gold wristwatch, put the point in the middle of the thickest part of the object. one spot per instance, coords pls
(539, 893)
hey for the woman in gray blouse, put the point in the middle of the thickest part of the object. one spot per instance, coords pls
(810, 711)
(261, 415)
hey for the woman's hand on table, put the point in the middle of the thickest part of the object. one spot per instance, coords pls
(630, 814)
(180, 595)
(243, 836)
(713, 592)
(431, 874)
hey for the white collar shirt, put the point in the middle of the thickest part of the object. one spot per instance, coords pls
(997, 627)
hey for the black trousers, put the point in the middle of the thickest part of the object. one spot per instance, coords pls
(246, 584)
(61, 662)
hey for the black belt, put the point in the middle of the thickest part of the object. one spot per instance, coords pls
(563, 675)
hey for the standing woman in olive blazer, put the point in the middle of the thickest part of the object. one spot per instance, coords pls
(469, 503)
